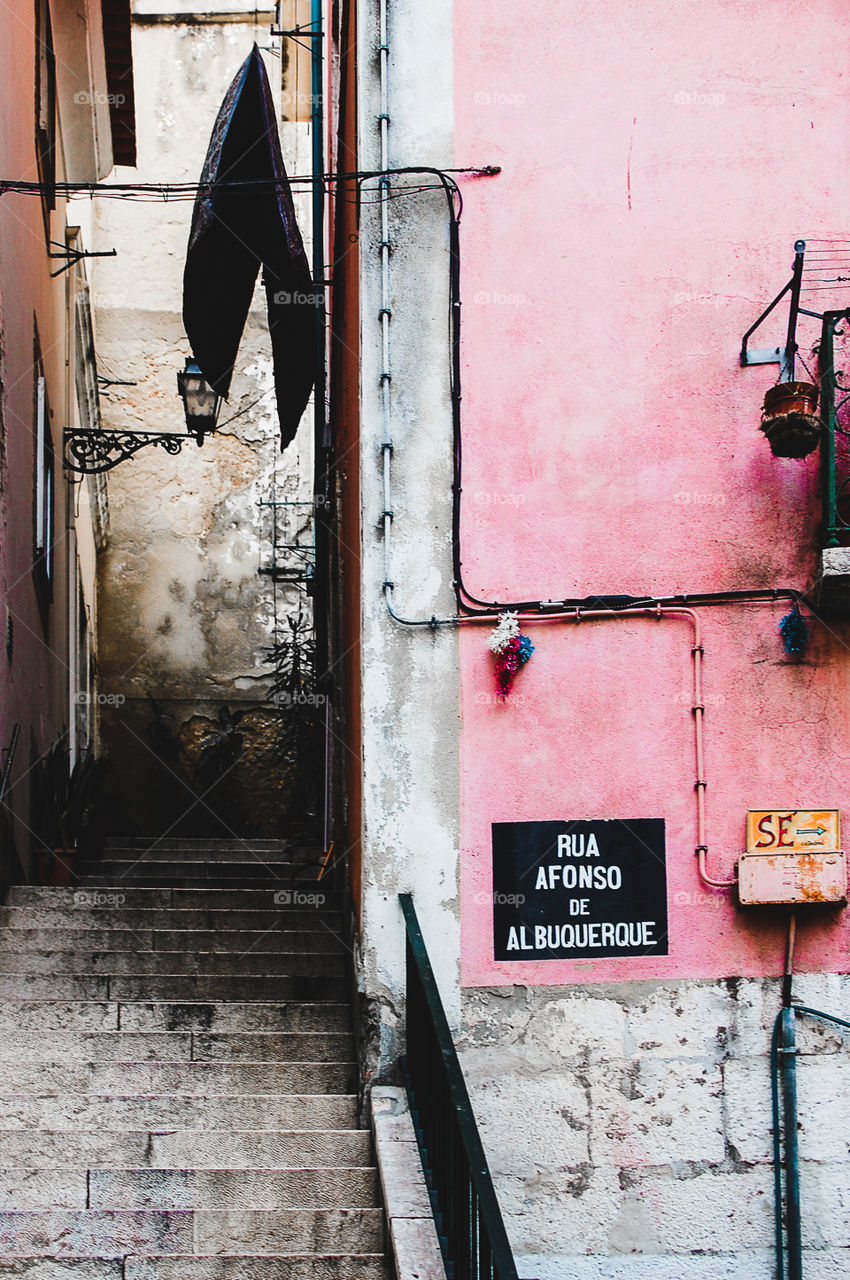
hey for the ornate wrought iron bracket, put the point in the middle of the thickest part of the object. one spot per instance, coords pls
(91, 451)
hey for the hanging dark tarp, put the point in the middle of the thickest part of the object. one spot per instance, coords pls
(234, 231)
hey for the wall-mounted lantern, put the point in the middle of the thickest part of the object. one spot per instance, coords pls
(91, 450)
(200, 403)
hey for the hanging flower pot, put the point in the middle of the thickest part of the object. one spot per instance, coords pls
(789, 419)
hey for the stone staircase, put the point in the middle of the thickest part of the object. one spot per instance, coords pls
(177, 1074)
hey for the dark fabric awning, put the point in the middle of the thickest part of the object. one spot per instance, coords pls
(235, 229)
(119, 79)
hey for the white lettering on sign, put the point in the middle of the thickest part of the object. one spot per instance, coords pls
(575, 899)
(574, 847)
(558, 873)
(549, 937)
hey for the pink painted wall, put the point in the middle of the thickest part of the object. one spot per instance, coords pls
(658, 164)
(34, 683)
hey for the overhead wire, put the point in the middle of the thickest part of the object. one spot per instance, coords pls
(175, 191)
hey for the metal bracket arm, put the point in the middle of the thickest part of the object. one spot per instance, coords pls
(73, 256)
(783, 356)
(90, 451)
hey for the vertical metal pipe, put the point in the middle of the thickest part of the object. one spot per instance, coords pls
(829, 486)
(385, 314)
(788, 1054)
(787, 369)
(317, 45)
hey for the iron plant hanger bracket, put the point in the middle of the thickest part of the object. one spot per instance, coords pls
(783, 356)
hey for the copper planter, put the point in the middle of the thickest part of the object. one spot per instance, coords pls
(790, 421)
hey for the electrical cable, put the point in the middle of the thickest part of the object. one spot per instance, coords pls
(470, 606)
(189, 190)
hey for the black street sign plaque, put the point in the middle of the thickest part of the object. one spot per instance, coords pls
(579, 890)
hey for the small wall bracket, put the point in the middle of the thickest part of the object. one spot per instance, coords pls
(783, 356)
(73, 256)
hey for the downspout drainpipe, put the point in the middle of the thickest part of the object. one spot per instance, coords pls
(385, 312)
(317, 44)
(788, 1066)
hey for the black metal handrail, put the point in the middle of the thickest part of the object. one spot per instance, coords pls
(469, 1222)
(9, 753)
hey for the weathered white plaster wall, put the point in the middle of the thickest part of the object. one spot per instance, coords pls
(410, 680)
(186, 615)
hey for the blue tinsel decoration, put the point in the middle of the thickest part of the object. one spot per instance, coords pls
(794, 631)
(526, 649)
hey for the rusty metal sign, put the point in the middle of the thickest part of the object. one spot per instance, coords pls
(792, 878)
(793, 830)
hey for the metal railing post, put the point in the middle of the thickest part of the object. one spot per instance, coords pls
(469, 1221)
(829, 483)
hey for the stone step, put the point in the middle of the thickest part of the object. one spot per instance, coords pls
(115, 1233)
(92, 1015)
(234, 868)
(39, 986)
(331, 1016)
(61, 1268)
(46, 1189)
(195, 988)
(182, 988)
(353, 1188)
(280, 941)
(161, 1046)
(170, 844)
(184, 1149)
(214, 1188)
(144, 919)
(293, 964)
(184, 1078)
(293, 903)
(293, 1267)
(116, 1113)
(183, 882)
(181, 1267)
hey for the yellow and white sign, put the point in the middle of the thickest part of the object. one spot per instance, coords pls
(793, 830)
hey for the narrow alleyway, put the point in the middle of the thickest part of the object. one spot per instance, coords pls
(178, 1074)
